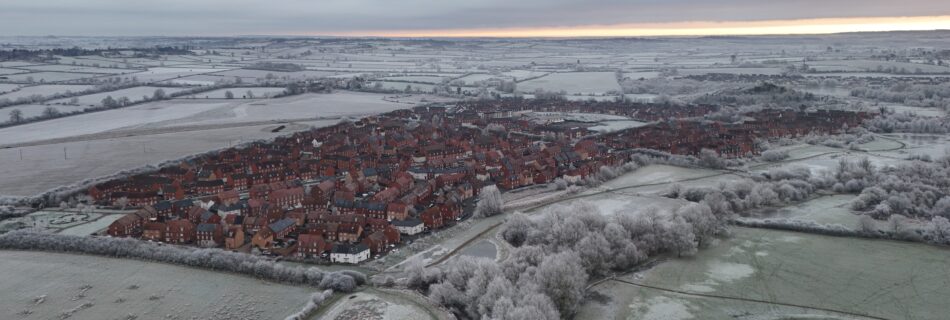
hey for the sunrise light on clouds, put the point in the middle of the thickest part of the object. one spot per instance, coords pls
(694, 28)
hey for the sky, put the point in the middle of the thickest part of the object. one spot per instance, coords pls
(469, 18)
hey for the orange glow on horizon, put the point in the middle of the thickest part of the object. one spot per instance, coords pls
(691, 28)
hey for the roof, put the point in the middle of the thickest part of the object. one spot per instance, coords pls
(410, 222)
(281, 224)
(207, 227)
(162, 205)
(345, 248)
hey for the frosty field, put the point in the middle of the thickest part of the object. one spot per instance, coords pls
(573, 82)
(96, 288)
(376, 305)
(893, 280)
(44, 167)
(193, 112)
(239, 93)
(43, 90)
(134, 94)
(36, 110)
(48, 76)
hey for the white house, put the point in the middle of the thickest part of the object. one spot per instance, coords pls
(410, 226)
(349, 253)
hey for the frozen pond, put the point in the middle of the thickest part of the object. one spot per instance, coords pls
(481, 249)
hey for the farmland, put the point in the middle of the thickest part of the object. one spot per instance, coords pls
(580, 83)
(85, 287)
(291, 85)
(807, 270)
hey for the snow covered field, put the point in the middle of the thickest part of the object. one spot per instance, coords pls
(611, 126)
(240, 93)
(96, 288)
(36, 110)
(420, 78)
(134, 94)
(192, 112)
(663, 175)
(149, 135)
(86, 229)
(43, 90)
(888, 279)
(44, 167)
(573, 82)
(375, 305)
(166, 73)
(824, 210)
(39, 77)
(401, 86)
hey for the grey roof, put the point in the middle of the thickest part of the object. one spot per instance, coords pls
(350, 248)
(162, 205)
(206, 227)
(281, 224)
(409, 222)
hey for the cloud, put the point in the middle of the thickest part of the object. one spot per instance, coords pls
(236, 17)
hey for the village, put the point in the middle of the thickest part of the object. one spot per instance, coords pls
(358, 189)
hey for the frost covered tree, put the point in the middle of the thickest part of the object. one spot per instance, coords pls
(680, 237)
(490, 202)
(774, 155)
(16, 116)
(516, 229)
(159, 94)
(50, 112)
(228, 94)
(939, 230)
(710, 159)
(867, 225)
(563, 279)
(109, 102)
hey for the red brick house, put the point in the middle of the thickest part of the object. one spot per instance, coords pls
(129, 225)
(349, 232)
(153, 231)
(396, 211)
(432, 218)
(311, 245)
(209, 234)
(377, 243)
(179, 231)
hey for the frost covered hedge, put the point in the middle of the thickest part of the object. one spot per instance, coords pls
(546, 275)
(316, 299)
(214, 259)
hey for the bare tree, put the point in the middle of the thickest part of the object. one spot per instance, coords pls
(16, 116)
(50, 112)
(159, 94)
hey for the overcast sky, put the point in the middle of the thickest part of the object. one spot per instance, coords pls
(369, 17)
